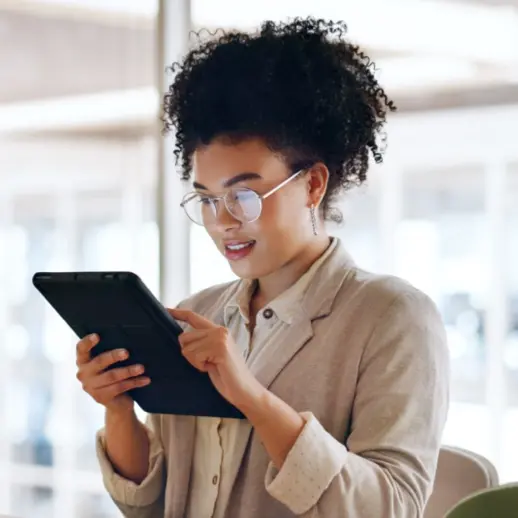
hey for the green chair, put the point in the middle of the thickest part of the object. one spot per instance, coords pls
(498, 502)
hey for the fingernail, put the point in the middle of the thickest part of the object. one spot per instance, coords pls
(145, 381)
(121, 353)
(137, 369)
(93, 338)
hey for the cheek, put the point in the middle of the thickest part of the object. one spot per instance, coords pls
(213, 235)
(286, 211)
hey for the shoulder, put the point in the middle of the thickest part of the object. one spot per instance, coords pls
(385, 305)
(385, 293)
(399, 319)
(211, 298)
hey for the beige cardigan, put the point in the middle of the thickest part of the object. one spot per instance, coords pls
(366, 358)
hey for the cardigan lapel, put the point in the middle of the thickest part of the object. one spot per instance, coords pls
(269, 363)
(316, 303)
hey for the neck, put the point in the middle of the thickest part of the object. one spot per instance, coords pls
(279, 281)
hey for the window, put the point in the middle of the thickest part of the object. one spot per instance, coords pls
(78, 180)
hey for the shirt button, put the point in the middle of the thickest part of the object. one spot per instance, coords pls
(268, 313)
(214, 480)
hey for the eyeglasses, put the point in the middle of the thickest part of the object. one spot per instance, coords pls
(242, 203)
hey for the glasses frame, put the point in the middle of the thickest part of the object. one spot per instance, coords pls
(191, 195)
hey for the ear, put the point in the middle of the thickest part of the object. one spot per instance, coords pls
(317, 178)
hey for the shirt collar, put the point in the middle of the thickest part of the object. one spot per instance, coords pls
(240, 301)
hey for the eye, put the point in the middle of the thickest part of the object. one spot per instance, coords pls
(245, 195)
(206, 200)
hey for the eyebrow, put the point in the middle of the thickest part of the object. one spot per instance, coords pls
(241, 177)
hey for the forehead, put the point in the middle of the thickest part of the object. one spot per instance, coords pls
(219, 161)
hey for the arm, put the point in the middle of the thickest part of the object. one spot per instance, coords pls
(277, 424)
(388, 464)
(127, 445)
(132, 464)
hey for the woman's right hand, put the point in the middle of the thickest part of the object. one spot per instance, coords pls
(108, 387)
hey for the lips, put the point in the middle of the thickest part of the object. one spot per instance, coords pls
(239, 245)
(235, 250)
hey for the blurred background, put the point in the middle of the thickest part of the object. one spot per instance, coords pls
(87, 182)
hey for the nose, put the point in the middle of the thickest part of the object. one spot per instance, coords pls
(223, 219)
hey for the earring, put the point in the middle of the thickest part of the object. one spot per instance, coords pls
(313, 220)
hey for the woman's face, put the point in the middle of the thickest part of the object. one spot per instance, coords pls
(283, 230)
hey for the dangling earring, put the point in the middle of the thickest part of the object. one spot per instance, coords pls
(313, 220)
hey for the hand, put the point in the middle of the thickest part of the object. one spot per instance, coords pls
(107, 387)
(211, 349)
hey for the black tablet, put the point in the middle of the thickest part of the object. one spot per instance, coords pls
(125, 314)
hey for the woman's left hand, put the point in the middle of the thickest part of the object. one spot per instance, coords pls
(211, 349)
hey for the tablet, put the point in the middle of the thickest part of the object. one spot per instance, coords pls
(125, 314)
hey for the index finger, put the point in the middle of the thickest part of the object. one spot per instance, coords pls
(84, 347)
(190, 317)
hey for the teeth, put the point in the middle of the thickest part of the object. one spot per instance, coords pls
(240, 246)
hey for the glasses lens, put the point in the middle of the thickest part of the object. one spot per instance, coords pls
(200, 209)
(244, 204)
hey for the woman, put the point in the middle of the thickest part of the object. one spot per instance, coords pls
(342, 374)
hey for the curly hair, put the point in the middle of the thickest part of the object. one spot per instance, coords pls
(300, 87)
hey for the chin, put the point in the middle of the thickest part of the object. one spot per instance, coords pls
(251, 268)
(244, 270)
